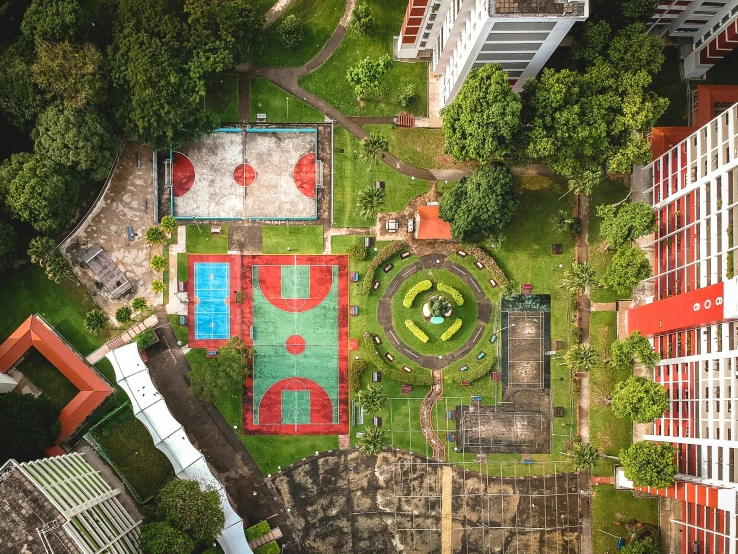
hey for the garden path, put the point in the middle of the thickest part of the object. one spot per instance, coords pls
(275, 11)
(426, 417)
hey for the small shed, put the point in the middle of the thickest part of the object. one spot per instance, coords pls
(106, 271)
(430, 226)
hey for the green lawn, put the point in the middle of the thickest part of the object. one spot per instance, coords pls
(329, 80)
(607, 432)
(63, 305)
(351, 175)
(49, 380)
(299, 239)
(610, 506)
(201, 241)
(127, 444)
(418, 146)
(180, 331)
(319, 18)
(265, 97)
(607, 192)
(182, 267)
(222, 97)
(435, 346)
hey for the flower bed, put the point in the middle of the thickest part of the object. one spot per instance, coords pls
(415, 291)
(417, 331)
(452, 292)
(381, 257)
(451, 331)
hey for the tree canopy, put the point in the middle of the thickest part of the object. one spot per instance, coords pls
(55, 20)
(27, 426)
(584, 455)
(483, 204)
(366, 76)
(69, 73)
(625, 224)
(8, 243)
(629, 267)
(372, 399)
(640, 547)
(20, 99)
(640, 399)
(484, 116)
(579, 277)
(373, 441)
(221, 376)
(161, 538)
(649, 464)
(624, 353)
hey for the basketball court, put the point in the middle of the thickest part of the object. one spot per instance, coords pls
(254, 174)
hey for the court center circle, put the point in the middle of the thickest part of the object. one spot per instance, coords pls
(295, 345)
(244, 175)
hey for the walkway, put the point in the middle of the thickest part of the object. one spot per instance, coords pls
(439, 262)
(426, 417)
(275, 11)
(122, 339)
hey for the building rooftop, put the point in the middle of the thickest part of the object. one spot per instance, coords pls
(430, 224)
(537, 7)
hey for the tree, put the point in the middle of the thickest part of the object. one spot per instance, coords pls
(157, 286)
(291, 32)
(154, 235)
(357, 252)
(44, 252)
(593, 43)
(160, 537)
(80, 139)
(581, 357)
(224, 375)
(484, 203)
(637, 546)
(27, 426)
(370, 201)
(649, 464)
(158, 263)
(361, 19)
(372, 398)
(373, 441)
(20, 100)
(54, 20)
(71, 74)
(408, 95)
(583, 455)
(639, 9)
(495, 241)
(38, 191)
(509, 290)
(579, 277)
(624, 225)
(484, 117)
(640, 399)
(123, 314)
(139, 304)
(190, 510)
(8, 244)
(96, 321)
(372, 147)
(169, 224)
(563, 221)
(635, 346)
(633, 50)
(366, 76)
(629, 267)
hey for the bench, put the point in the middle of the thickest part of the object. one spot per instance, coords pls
(261, 118)
(464, 368)
(406, 389)
(481, 355)
(407, 369)
(492, 283)
(465, 383)
(493, 338)
(215, 230)
(528, 461)
(450, 414)
(377, 421)
(404, 255)
(183, 320)
(377, 340)
(376, 285)
(526, 289)
(379, 185)
(496, 376)
(450, 437)
(367, 242)
(479, 264)
(130, 233)
(411, 225)
(212, 354)
(390, 357)
(355, 277)
(354, 310)
(376, 376)
(461, 253)
(476, 398)
(388, 268)
(251, 332)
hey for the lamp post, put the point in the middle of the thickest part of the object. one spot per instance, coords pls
(288, 106)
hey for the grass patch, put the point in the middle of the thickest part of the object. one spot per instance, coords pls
(63, 305)
(201, 241)
(180, 331)
(418, 146)
(221, 97)
(300, 239)
(48, 379)
(165, 252)
(351, 175)
(319, 17)
(127, 445)
(182, 275)
(265, 97)
(609, 506)
(329, 80)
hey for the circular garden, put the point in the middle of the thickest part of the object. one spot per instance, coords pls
(434, 312)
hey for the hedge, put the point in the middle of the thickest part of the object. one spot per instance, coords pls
(451, 331)
(358, 252)
(257, 531)
(419, 376)
(355, 372)
(381, 257)
(415, 291)
(452, 292)
(415, 330)
(268, 548)
(489, 262)
(474, 372)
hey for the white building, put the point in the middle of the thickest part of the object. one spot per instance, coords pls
(461, 35)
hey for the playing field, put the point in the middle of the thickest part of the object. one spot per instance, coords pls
(212, 303)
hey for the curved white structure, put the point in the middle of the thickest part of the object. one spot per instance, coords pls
(169, 436)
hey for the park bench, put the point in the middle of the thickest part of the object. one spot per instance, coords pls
(450, 414)
(354, 310)
(376, 285)
(215, 230)
(450, 437)
(479, 264)
(376, 376)
(180, 286)
(388, 268)
(407, 369)
(496, 376)
(492, 283)
(405, 255)
(390, 357)
(464, 368)
(379, 185)
(367, 242)
(465, 383)
(461, 253)
(377, 340)
(526, 289)
(261, 118)
(212, 354)
(481, 355)
(355, 277)
(406, 389)
(377, 421)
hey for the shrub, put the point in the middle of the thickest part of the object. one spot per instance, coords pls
(417, 331)
(381, 257)
(475, 371)
(419, 376)
(357, 369)
(451, 331)
(145, 339)
(414, 291)
(362, 20)
(123, 314)
(408, 96)
(357, 252)
(576, 336)
(268, 548)
(452, 292)
(291, 32)
(490, 265)
(257, 531)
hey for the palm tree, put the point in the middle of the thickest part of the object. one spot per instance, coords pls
(370, 201)
(139, 304)
(372, 147)
(169, 224)
(373, 441)
(581, 357)
(495, 241)
(509, 290)
(583, 455)
(579, 277)
(158, 263)
(123, 314)
(40, 248)
(96, 321)
(372, 398)
(155, 235)
(157, 286)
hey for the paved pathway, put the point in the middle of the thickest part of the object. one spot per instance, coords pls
(426, 416)
(122, 339)
(603, 306)
(275, 11)
(384, 310)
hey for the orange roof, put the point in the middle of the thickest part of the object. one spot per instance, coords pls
(708, 96)
(664, 138)
(430, 224)
(93, 390)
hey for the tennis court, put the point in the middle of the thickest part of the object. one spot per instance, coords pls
(212, 300)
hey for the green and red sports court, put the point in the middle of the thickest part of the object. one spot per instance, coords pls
(294, 312)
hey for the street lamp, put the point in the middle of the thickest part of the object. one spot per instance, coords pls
(288, 106)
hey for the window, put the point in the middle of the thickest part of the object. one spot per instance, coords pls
(704, 12)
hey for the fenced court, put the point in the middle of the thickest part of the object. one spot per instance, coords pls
(255, 173)
(526, 329)
(212, 300)
(296, 317)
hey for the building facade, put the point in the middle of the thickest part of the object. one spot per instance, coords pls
(707, 28)
(691, 314)
(460, 35)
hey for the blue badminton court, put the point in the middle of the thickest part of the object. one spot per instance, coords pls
(212, 294)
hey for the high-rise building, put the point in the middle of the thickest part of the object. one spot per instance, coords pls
(690, 311)
(62, 504)
(708, 29)
(460, 35)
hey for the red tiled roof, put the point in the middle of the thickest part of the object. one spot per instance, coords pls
(664, 138)
(708, 96)
(35, 332)
(430, 224)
